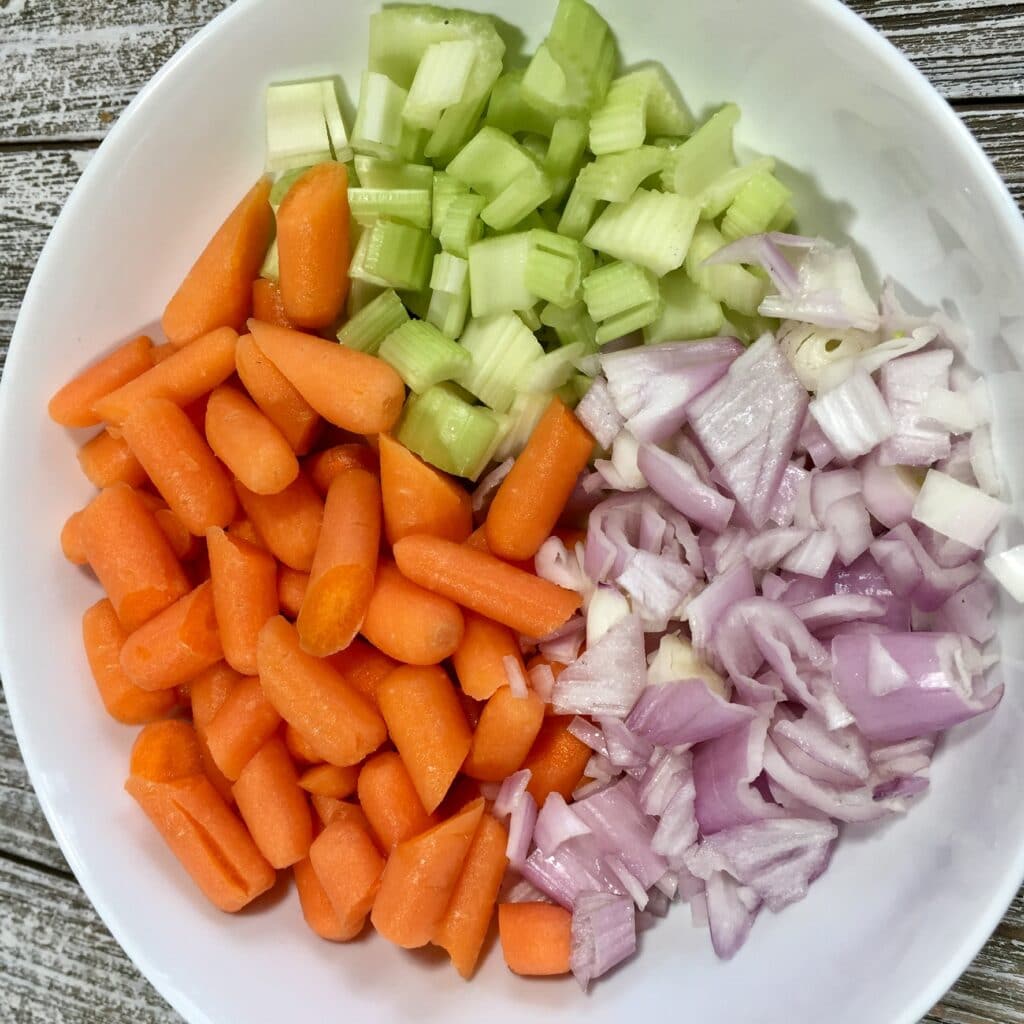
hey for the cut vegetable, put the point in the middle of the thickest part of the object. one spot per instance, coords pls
(409, 205)
(705, 156)
(375, 173)
(500, 348)
(729, 283)
(555, 267)
(422, 355)
(440, 81)
(687, 312)
(621, 297)
(615, 177)
(374, 322)
(498, 269)
(462, 225)
(393, 255)
(509, 110)
(304, 125)
(449, 297)
(379, 126)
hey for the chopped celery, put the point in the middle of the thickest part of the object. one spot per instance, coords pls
(456, 126)
(748, 328)
(379, 126)
(688, 312)
(517, 201)
(616, 176)
(450, 273)
(497, 274)
(565, 155)
(441, 79)
(413, 144)
(446, 190)
(728, 283)
(500, 347)
(722, 191)
(270, 269)
(616, 288)
(535, 144)
(335, 123)
(409, 205)
(393, 255)
(755, 207)
(374, 322)
(417, 301)
(652, 229)
(531, 318)
(462, 225)
(553, 369)
(304, 125)
(449, 298)
(376, 173)
(638, 104)
(548, 88)
(533, 221)
(579, 214)
(705, 156)
(572, 391)
(523, 417)
(783, 219)
(556, 266)
(360, 295)
(509, 111)
(281, 186)
(422, 355)
(448, 432)
(572, 326)
(666, 112)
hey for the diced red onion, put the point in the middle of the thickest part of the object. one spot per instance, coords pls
(731, 909)
(836, 756)
(678, 483)
(850, 524)
(666, 774)
(813, 556)
(489, 485)
(542, 681)
(516, 676)
(957, 510)
(511, 794)
(603, 935)
(520, 830)
(608, 678)
(770, 547)
(684, 712)
(1008, 569)
(835, 609)
(522, 891)
(913, 573)
(626, 749)
(705, 611)
(853, 415)
(889, 492)
(677, 827)
(576, 867)
(657, 587)
(983, 462)
(969, 611)
(597, 412)
(556, 564)
(586, 732)
(556, 824)
(906, 384)
(812, 440)
(636, 892)
(784, 506)
(564, 644)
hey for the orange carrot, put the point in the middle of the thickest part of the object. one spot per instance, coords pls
(181, 378)
(297, 420)
(176, 645)
(419, 879)
(364, 667)
(485, 584)
(467, 917)
(477, 540)
(107, 460)
(342, 574)
(530, 499)
(461, 795)
(299, 747)
(340, 722)
(419, 498)
(316, 907)
(72, 539)
(324, 466)
(104, 636)
(267, 303)
(208, 693)
(161, 352)
(183, 544)
(131, 556)
(330, 780)
(503, 738)
(329, 808)
(166, 751)
(480, 659)
(242, 529)
(244, 581)
(390, 801)
(535, 938)
(427, 726)
(291, 590)
(350, 389)
(312, 245)
(556, 761)
(471, 708)
(409, 623)
(242, 724)
(248, 443)
(217, 291)
(288, 523)
(72, 405)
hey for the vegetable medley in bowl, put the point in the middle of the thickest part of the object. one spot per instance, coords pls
(522, 520)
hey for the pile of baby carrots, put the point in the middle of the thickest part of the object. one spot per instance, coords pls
(300, 613)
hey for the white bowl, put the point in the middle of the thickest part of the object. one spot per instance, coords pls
(875, 156)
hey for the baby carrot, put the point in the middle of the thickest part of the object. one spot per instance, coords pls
(162, 352)
(556, 761)
(463, 929)
(107, 460)
(176, 645)
(180, 464)
(329, 808)
(330, 780)
(477, 540)
(104, 636)
(288, 523)
(340, 722)
(183, 543)
(419, 498)
(535, 938)
(316, 907)
(341, 577)
(240, 727)
(72, 405)
(419, 879)
(244, 582)
(131, 556)
(312, 245)
(267, 303)
(364, 667)
(297, 420)
(248, 443)
(299, 747)
(324, 466)
(217, 291)
(485, 584)
(166, 751)
(427, 726)
(350, 389)
(507, 730)
(409, 623)
(208, 693)
(531, 498)
(291, 590)
(182, 377)
(389, 799)
(242, 529)
(72, 539)
(479, 660)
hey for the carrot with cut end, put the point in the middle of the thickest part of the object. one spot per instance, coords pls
(467, 917)
(166, 751)
(504, 736)
(181, 378)
(72, 539)
(208, 693)
(312, 246)
(477, 540)
(460, 796)
(341, 724)
(130, 556)
(363, 667)
(426, 723)
(341, 578)
(324, 466)
(349, 867)
(267, 303)
(480, 658)
(180, 464)
(107, 460)
(419, 498)
(536, 938)
(420, 877)
(485, 584)
(329, 808)
(72, 405)
(291, 590)
(248, 443)
(408, 623)
(530, 500)
(217, 291)
(241, 726)
(242, 529)
(176, 645)
(297, 420)
(316, 907)
(350, 389)
(556, 761)
(244, 582)
(288, 523)
(389, 799)
(299, 747)
(104, 636)
(330, 780)
(183, 543)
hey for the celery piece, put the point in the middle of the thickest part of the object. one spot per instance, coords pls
(553, 369)
(755, 207)
(748, 328)
(440, 81)
(375, 173)
(666, 112)
(446, 190)
(374, 322)
(523, 417)
(579, 214)
(628, 321)
(456, 127)
(413, 144)
(281, 186)
(500, 347)
(449, 273)
(497, 275)
(565, 154)
(548, 88)
(491, 161)
(728, 283)
(705, 156)
(335, 123)
(617, 288)
(652, 229)
(571, 326)
(688, 312)
(620, 124)
(270, 269)
(360, 295)
(556, 266)
(717, 196)
(783, 219)
(537, 145)
(508, 110)
(583, 45)
(417, 301)
(521, 197)
(533, 221)
(531, 318)
(616, 176)
(409, 205)
(422, 355)
(379, 124)
(462, 225)
(297, 134)
(448, 432)
(393, 255)
(573, 390)
(449, 298)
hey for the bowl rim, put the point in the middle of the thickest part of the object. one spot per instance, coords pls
(911, 78)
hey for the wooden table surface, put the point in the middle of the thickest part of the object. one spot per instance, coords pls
(67, 69)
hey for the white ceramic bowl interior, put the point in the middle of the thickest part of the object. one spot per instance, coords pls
(876, 157)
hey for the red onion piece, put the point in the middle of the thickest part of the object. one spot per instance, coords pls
(684, 712)
(906, 383)
(603, 935)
